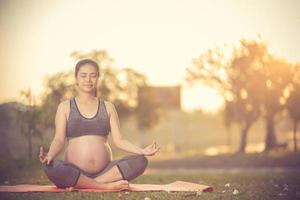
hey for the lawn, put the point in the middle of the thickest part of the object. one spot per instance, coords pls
(251, 176)
(250, 184)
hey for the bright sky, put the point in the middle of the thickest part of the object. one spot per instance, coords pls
(158, 38)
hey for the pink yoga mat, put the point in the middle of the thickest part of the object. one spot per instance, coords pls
(177, 186)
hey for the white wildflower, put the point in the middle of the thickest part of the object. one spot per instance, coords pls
(147, 198)
(199, 193)
(223, 191)
(235, 192)
(227, 185)
(127, 192)
(285, 187)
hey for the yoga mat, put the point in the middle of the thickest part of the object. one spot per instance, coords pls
(177, 186)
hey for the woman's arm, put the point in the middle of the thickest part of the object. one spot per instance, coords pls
(123, 143)
(60, 131)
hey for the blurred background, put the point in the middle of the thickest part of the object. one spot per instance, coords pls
(215, 83)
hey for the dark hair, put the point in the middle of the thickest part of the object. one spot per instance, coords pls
(84, 62)
(89, 62)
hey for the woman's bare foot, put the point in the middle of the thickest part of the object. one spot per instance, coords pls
(117, 185)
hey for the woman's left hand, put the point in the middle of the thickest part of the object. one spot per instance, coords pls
(151, 149)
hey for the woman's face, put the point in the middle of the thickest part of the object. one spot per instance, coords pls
(87, 78)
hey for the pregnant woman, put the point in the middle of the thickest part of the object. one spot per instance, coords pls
(86, 122)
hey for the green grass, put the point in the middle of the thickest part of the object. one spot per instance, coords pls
(251, 184)
(259, 176)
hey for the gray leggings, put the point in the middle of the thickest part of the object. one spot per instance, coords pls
(64, 174)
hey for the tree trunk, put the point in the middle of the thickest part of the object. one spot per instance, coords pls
(228, 139)
(295, 135)
(243, 141)
(29, 143)
(270, 140)
(176, 130)
(142, 137)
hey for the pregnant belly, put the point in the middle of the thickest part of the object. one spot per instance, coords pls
(91, 153)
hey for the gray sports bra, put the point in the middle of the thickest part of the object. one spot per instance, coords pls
(78, 125)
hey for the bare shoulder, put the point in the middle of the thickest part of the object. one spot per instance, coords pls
(110, 107)
(64, 106)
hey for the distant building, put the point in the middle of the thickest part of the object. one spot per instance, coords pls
(168, 97)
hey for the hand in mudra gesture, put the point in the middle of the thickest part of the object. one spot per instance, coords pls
(44, 157)
(151, 149)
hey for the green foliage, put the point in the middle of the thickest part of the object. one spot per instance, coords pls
(120, 86)
(294, 95)
(28, 118)
(58, 87)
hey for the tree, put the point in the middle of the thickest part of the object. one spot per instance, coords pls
(293, 100)
(130, 82)
(266, 78)
(252, 83)
(229, 76)
(123, 87)
(58, 87)
(28, 116)
(244, 114)
(119, 86)
(276, 77)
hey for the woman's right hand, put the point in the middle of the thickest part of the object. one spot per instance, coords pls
(44, 157)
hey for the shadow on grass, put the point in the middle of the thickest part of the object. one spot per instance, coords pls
(227, 161)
